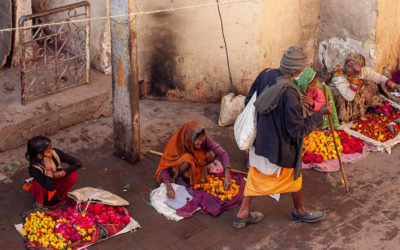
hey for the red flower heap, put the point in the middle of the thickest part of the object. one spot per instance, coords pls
(386, 109)
(376, 125)
(74, 226)
(309, 157)
(350, 144)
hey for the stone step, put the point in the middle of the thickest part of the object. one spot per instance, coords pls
(48, 115)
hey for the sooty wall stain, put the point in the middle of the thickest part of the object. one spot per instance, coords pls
(163, 59)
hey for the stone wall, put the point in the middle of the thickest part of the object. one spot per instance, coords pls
(344, 26)
(387, 41)
(285, 23)
(182, 53)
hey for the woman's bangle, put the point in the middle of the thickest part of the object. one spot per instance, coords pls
(390, 84)
(352, 88)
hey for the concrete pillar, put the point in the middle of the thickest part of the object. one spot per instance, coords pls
(125, 80)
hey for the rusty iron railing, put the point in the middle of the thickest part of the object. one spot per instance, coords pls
(54, 57)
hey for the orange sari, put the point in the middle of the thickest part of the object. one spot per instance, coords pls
(180, 149)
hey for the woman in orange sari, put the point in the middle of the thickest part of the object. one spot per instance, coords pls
(186, 155)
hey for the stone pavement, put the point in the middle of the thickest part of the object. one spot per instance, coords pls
(365, 218)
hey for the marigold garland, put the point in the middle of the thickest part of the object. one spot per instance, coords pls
(353, 82)
(214, 185)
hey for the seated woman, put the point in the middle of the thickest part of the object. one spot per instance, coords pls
(355, 88)
(186, 155)
(51, 182)
(313, 97)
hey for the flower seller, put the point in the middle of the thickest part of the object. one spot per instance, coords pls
(355, 88)
(51, 182)
(186, 155)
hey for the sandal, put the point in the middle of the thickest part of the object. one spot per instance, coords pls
(254, 217)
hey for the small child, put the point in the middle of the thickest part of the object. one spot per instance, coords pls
(51, 182)
(313, 96)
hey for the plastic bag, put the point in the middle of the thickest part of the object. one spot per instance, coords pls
(245, 125)
(231, 106)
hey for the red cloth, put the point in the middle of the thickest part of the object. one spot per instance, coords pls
(318, 98)
(63, 186)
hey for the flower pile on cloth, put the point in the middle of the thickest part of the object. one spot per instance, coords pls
(203, 201)
(319, 146)
(319, 151)
(211, 204)
(381, 126)
(350, 144)
(70, 229)
(214, 185)
(39, 230)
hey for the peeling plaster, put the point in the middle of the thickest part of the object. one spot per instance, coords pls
(334, 51)
(344, 26)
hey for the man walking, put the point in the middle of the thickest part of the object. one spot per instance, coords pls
(275, 159)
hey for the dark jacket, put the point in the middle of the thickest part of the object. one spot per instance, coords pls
(38, 171)
(280, 133)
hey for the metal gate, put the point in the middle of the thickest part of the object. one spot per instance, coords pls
(54, 57)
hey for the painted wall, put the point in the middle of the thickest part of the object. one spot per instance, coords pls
(387, 41)
(344, 26)
(285, 23)
(182, 53)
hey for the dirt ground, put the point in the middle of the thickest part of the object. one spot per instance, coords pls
(365, 218)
